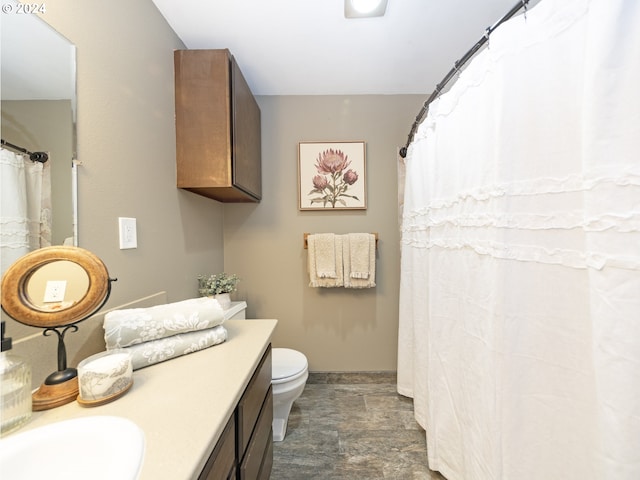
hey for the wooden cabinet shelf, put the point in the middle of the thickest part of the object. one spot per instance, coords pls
(218, 138)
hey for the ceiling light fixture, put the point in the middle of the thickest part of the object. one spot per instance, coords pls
(364, 8)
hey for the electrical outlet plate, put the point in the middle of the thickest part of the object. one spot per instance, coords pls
(54, 291)
(127, 233)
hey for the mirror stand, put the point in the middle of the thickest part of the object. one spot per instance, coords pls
(62, 385)
(51, 396)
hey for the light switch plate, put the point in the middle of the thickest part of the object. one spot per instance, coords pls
(128, 233)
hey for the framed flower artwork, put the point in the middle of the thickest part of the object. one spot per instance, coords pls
(331, 176)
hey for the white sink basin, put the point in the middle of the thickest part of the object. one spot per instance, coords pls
(96, 448)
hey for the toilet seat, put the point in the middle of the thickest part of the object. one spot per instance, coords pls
(287, 365)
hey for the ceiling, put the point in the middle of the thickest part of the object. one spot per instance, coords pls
(284, 47)
(307, 47)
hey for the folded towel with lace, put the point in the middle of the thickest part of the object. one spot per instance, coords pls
(127, 327)
(324, 262)
(359, 260)
(156, 351)
(359, 254)
(324, 251)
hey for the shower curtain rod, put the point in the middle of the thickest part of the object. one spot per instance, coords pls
(41, 157)
(456, 68)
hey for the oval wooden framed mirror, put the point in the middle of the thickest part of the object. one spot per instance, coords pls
(55, 286)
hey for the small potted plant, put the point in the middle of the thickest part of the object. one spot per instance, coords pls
(218, 286)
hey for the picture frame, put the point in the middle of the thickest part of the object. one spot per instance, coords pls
(332, 176)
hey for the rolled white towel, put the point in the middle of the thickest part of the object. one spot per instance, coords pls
(123, 328)
(156, 351)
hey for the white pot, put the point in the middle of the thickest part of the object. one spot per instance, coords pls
(224, 299)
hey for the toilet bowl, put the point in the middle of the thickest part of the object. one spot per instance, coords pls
(289, 373)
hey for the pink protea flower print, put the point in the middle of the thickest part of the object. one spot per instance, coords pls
(332, 161)
(350, 177)
(320, 182)
(331, 185)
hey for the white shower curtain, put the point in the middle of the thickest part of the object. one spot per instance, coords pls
(519, 334)
(25, 206)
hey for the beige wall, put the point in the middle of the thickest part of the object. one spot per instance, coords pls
(126, 143)
(338, 329)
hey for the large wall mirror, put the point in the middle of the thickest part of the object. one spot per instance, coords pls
(38, 94)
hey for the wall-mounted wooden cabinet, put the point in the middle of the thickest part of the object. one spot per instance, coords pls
(218, 150)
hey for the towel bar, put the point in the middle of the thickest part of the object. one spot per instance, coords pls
(306, 243)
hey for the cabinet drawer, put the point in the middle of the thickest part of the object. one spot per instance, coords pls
(267, 461)
(251, 402)
(258, 449)
(222, 461)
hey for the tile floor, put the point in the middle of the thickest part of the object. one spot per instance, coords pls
(352, 426)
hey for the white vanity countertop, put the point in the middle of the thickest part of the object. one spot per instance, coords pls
(182, 404)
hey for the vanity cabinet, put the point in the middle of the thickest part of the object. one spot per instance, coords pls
(218, 140)
(191, 432)
(245, 449)
(221, 465)
(254, 417)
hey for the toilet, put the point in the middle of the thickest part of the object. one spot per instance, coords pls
(289, 374)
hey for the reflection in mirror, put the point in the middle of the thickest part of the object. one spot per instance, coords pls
(56, 286)
(38, 77)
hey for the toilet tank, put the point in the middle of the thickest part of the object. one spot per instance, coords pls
(236, 311)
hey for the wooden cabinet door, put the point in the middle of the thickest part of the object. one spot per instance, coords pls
(247, 148)
(203, 113)
(221, 464)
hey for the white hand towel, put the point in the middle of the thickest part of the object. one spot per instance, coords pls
(325, 254)
(359, 257)
(349, 280)
(123, 328)
(316, 280)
